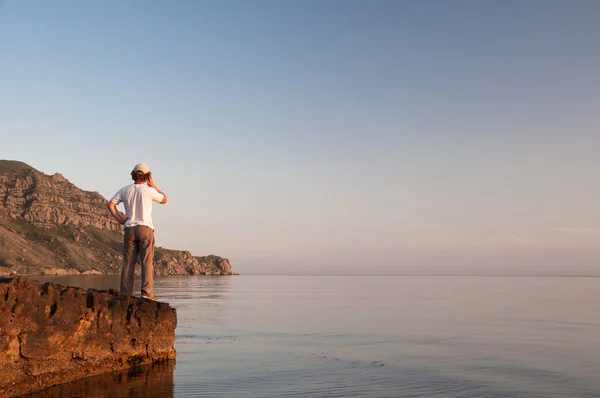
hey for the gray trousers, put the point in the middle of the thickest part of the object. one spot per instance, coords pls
(138, 240)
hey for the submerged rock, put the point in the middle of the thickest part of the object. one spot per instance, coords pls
(52, 334)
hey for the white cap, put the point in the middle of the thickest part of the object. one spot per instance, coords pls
(142, 167)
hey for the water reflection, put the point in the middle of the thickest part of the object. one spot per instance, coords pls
(205, 301)
(144, 381)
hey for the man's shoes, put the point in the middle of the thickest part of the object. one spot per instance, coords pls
(149, 298)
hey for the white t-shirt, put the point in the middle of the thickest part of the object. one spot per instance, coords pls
(137, 199)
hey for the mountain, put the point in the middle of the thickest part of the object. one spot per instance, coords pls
(50, 226)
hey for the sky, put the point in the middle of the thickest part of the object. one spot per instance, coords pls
(357, 137)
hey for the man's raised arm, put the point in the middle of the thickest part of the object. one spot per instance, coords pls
(151, 184)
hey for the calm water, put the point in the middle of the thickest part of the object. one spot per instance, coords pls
(348, 336)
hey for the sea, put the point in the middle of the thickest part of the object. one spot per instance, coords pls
(367, 336)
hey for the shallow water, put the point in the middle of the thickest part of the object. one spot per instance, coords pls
(369, 336)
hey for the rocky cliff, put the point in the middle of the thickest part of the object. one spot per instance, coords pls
(50, 226)
(52, 334)
(47, 201)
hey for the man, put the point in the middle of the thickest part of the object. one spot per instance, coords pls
(139, 231)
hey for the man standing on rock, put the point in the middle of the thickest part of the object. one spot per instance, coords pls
(139, 231)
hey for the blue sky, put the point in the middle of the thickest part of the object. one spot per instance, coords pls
(324, 136)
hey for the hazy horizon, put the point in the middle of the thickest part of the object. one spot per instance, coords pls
(328, 136)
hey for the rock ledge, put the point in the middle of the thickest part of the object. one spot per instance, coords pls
(52, 334)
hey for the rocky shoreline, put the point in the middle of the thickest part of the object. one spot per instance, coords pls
(166, 262)
(52, 334)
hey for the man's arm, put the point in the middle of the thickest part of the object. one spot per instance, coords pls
(151, 184)
(113, 210)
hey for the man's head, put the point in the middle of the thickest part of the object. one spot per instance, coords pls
(141, 173)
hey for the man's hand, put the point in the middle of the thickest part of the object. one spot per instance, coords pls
(151, 182)
(116, 214)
